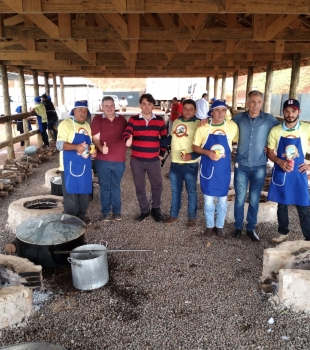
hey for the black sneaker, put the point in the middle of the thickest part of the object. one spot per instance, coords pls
(237, 233)
(253, 235)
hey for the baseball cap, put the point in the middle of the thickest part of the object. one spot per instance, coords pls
(83, 104)
(291, 103)
(37, 99)
(217, 104)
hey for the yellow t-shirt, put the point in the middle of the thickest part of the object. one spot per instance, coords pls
(229, 128)
(66, 132)
(303, 132)
(41, 111)
(182, 138)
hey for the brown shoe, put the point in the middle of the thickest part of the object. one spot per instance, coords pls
(221, 234)
(191, 223)
(170, 220)
(208, 232)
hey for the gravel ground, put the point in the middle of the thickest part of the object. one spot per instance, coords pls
(188, 293)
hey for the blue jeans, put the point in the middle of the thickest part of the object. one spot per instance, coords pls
(255, 178)
(304, 218)
(110, 176)
(187, 173)
(221, 209)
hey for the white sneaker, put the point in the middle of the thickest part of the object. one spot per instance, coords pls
(279, 239)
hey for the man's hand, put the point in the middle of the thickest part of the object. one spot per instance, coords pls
(186, 157)
(105, 149)
(161, 158)
(94, 154)
(212, 155)
(203, 122)
(285, 165)
(80, 148)
(304, 168)
(129, 141)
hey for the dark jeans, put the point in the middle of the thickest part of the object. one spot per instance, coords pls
(74, 204)
(110, 176)
(44, 134)
(52, 125)
(180, 173)
(153, 171)
(304, 218)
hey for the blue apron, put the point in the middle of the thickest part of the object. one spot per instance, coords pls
(215, 174)
(77, 169)
(289, 187)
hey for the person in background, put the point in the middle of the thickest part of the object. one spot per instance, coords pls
(52, 118)
(184, 165)
(287, 147)
(40, 111)
(180, 109)
(20, 126)
(107, 129)
(174, 112)
(143, 133)
(123, 103)
(214, 142)
(202, 106)
(250, 166)
(74, 138)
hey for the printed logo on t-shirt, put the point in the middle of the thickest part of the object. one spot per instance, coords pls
(82, 131)
(219, 132)
(181, 130)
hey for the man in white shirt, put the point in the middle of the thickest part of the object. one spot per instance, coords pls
(123, 104)
(202, 107)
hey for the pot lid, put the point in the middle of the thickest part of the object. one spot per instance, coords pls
(50, 229)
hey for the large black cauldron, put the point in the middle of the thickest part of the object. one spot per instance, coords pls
(38, 238)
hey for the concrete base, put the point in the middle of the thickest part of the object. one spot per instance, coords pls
(48, 175)
(15, 305)
(267, 212)
(284, 256)
(294, 286)
(18, 213)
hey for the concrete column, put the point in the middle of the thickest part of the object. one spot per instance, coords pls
(24, 102)
(36, 93)
(235, 91)
(268, 88)
(62, 91)
(216, 86)
(55, 91)
(223, 94)
(295, 76)
(7, 111)
(208, 86)
(47, 87)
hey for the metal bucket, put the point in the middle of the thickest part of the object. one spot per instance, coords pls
(56, 186)
(89, 270)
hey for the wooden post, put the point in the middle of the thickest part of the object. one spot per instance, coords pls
(36, 93)
(249, 82)
(223, 94)
(295, 76)
(216, 86)
(235, 91)
(55, 91)
(7, 111)
(208, 86)
(268, 88)
(62, 91)
(24, 102)
(47, 87)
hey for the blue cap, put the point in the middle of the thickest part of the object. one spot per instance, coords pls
(18, 109)
(83, 104)
(48, 98)
(217, 104)
(213, 99)
(37, 99)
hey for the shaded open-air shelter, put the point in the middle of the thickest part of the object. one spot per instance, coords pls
(141, 38)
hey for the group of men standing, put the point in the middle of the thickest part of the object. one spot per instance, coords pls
(211, 142)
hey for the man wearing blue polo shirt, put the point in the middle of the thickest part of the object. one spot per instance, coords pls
(250, 167)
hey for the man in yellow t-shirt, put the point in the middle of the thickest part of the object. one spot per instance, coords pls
(41, 118)
(287, 147)
(214, 142)
(184, 164)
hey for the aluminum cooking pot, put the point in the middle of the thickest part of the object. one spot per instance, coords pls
(90, 267)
